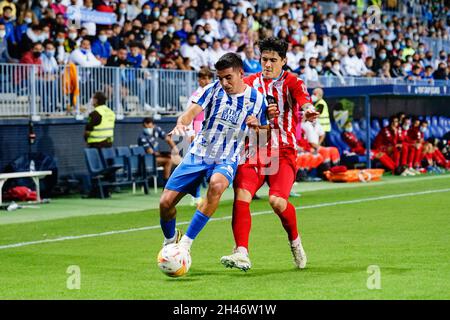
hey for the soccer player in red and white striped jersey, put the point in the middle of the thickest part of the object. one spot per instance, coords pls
(289, 93)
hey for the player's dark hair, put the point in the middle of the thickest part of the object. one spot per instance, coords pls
(280, 46)
(229, 60)
(148, 120)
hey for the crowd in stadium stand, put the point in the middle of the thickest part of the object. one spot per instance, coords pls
(186, 35)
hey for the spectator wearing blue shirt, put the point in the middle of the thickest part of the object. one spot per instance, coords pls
(25, 20)
(8, 21)
(414, 74)
(251, 65)
(149, 140)
(134, 57)
(101, 48)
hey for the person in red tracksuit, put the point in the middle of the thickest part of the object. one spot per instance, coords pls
(415, 138)
(387, 140)
(356, 146)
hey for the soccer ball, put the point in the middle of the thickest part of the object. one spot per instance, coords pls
(174, 260)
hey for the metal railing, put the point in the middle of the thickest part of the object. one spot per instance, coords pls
(28, 90)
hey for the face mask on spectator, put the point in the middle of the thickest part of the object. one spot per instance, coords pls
(44, 36)
(36, 54)
(152, 60)
(284, 23)
(50, 53)
(397, 46)
(103, 38)
(44, 4)
(349, 22)
(443, 57)
(28, 20)
(171, 29)
(156, 14)
(84, 51)
(225, 46)
(410, 59)
(406, 127)
(349, 129)
(314, 98)
(2, 33)
(345, 42)
(146, 12)
(389, 47)
(72, 35)
(382, 56)
(148, 131)
(423, 129)
(60, 40)
(123, 10)
(200, 33)
(336, 32)
(165, 14)
(336, 67)
(319, 68)
(421, 50)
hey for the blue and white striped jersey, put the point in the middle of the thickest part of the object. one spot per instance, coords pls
(224, 130)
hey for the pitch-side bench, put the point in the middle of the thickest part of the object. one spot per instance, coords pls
(35, 175)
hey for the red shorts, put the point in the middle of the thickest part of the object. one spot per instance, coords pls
(252, 177)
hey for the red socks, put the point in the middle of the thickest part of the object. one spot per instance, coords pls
(241, 223)
(289, 220)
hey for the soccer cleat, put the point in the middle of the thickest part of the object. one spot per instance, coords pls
(299, 255)
(237, 260)
(175, 239)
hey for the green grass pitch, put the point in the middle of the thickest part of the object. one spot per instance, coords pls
(400, 228)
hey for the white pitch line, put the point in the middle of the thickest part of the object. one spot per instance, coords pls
(320, 205)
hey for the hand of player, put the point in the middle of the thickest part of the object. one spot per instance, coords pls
(179, 130)
(272, 111)
(252, 122)
(311, 115)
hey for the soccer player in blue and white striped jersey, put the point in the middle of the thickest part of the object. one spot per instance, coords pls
(232, 108)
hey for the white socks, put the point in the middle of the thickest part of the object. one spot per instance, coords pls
(186, 242)
(296, 242)
(242, 250)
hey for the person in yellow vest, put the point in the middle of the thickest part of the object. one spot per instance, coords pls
(322, 107)
(99, 132)
(408, 49)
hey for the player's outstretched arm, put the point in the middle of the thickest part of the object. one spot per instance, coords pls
(309, 112)
(186, 119)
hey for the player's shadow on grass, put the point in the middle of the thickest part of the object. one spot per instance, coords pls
(235, 272)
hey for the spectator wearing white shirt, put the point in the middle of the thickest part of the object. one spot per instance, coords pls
(311, 75)
(315, 135)
(193, 52)
(229, 28)
(83, 56)
(352, 65)
(214, 53)
(294, 56)
(49, 63)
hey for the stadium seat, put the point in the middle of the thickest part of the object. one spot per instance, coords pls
(133, 166)
(100, 175)
(150, 169)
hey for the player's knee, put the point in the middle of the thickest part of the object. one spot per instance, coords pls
(165, 204)
(278, 204)
(216, 188)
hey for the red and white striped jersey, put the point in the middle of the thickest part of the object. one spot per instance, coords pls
(291, 94)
